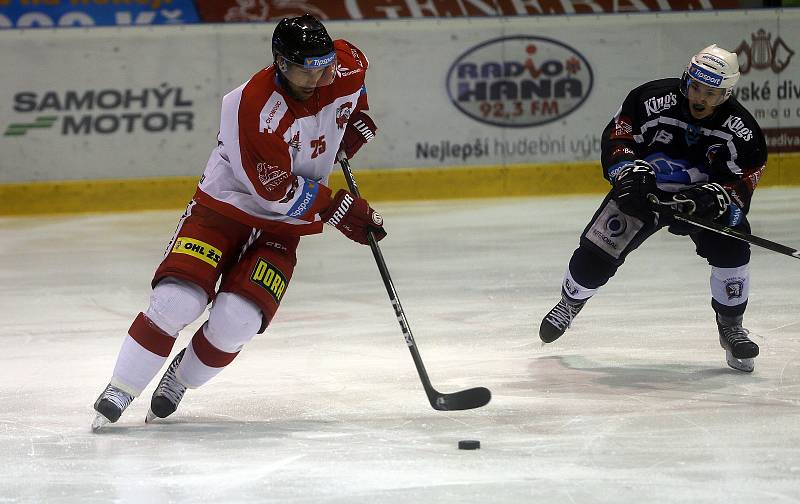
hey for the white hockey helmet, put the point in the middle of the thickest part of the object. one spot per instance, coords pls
(713, 67)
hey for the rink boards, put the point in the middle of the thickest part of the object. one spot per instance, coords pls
(124, 118)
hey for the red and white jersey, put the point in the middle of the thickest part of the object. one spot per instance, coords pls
(274, 155)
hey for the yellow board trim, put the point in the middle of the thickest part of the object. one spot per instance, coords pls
(76, 196)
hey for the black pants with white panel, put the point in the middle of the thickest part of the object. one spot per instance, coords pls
(611, 235)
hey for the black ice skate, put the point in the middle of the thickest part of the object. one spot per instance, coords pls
(558, 320)
(109, 406)
(168, 393)
(739, 349)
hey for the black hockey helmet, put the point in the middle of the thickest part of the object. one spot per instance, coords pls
(299, 38)
(303, 51)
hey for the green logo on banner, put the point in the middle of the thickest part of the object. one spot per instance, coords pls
(19, 129)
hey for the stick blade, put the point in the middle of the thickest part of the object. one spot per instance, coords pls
(463, 400)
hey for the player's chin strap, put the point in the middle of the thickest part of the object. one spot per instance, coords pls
(677, 210)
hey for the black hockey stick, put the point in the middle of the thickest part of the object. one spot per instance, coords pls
(462, 400)
(672, 213)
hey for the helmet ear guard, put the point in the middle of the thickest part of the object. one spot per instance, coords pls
(281, 61)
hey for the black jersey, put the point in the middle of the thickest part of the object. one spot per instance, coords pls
(654, 124)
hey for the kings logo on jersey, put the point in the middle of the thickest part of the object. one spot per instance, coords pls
(658, 104)
(736, 125)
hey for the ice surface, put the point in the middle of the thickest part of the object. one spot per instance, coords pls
(633, 405)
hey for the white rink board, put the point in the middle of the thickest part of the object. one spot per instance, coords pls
(144, 102)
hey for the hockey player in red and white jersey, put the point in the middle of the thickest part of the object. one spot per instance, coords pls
(264, 187)
(687, 141)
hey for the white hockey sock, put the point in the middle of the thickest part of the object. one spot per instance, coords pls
(174, 303)
(233, 321)
(730, 286)
(136, 366)
(575, 290)
(192, 372)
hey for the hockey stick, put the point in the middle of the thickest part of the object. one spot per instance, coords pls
(668, 210)
(462, 400)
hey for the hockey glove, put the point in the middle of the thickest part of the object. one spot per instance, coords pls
(360, 130)
(708, 200)
(353, 217)
(632, 185)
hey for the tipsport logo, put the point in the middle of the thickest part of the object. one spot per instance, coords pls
(322, 61)
(705, 76)
(537, 81)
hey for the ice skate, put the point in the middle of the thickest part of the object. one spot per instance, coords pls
(558, 320)
(109, 406)
(168, 393)
(739, 349)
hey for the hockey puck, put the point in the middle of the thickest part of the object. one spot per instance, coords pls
(469, 444)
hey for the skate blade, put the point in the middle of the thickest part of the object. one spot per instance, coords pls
(150, 417)
(745, 365)
(99, 422)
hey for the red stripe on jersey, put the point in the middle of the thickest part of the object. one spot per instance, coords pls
(261, 147)
(145, 332)
(208, 354)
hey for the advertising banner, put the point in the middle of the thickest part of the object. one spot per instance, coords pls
(539, 90)
(128, 103)
(227, 11)
(770, 84)
(65, 13)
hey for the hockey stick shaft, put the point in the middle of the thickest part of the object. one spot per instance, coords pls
(667, 209)
(387, 282)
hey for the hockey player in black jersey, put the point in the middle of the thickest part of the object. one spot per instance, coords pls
(687, 141)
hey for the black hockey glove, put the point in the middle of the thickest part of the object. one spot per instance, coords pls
(709, 200)
(632, 185)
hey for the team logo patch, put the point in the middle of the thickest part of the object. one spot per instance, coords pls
(197, 249)
(622, 128)
(295, 143)
(270, 278)
(271, 176)
(343, 114)
(570, 288)
(692, 134)
(734, 289)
